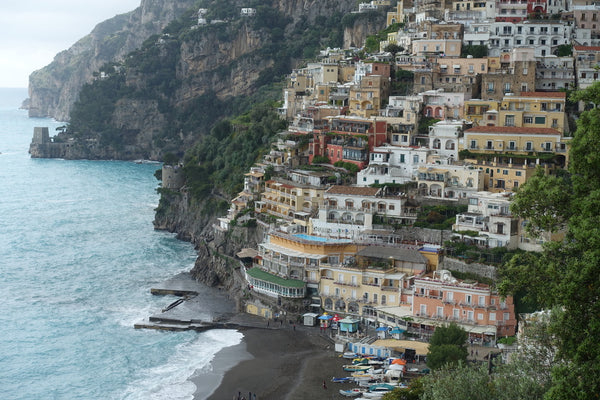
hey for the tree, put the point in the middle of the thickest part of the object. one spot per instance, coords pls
(413, 392)
(394, 49)
(458, 382)
(447, 346)
(568, 272)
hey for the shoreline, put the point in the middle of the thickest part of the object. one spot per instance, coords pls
(284, 364)
(207, 382)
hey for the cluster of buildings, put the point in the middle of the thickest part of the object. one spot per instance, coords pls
(465, 130)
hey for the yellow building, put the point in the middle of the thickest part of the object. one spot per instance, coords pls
(509, 155)
(290, 201)
(482, 112)
(397, 15)
(365, 99)
(534, 110)
(285, 259)
(377, 277)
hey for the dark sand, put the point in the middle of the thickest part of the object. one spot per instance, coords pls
(286, 364)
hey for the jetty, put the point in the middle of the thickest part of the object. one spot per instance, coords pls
(198, 307)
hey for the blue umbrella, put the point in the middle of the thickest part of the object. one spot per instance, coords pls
(325, 317)
(397, 330)
(381, 328)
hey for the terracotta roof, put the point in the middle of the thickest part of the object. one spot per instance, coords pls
(513, 129)
(587, 48)
(353, 190)
(561, 95)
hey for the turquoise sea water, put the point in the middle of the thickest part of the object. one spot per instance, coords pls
(78, 255)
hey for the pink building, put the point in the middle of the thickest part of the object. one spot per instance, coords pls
(441, 298)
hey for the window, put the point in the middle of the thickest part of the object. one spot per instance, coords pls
(481, 301)
(540, 120)
(492, 316)
(415, 159)
(528, 146)
(479, 316)
(507, 87)
(509, 120)
(504, 172)
(528, 120)
(506, 316)
(518, 173)
(402, 158)
(512, 145)
(440, 311)
(395, 138)
(473, 144)
(468, 299)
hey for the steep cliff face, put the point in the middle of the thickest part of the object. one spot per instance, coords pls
(54, 88)
(167, 94)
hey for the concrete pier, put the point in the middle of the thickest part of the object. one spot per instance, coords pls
(198, 308)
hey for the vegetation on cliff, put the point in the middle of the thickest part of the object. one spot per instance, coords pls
(187, 82)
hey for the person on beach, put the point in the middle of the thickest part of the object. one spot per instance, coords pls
(324, 385)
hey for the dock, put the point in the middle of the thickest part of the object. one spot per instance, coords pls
(198, 308)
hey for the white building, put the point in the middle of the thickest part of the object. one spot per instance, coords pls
(392, 164)
(489, 215)
(449, 182)
(349, 210)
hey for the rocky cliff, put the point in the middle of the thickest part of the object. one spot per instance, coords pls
(54, 88)
(167, 94)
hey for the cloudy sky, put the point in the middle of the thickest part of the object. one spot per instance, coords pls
(32, 32)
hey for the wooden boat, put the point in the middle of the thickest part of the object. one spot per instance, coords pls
(350, 355)
(354, 368)
(353, 392)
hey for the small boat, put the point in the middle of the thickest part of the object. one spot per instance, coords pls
(360, 361)
(343, 379)
(377, 391)
(349, 355)
(354, 368)
(352, 392)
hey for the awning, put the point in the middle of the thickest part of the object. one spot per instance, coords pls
(443, 66)
(381, 329)
(456, 66)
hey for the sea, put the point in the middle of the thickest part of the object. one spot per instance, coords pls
(78, 256)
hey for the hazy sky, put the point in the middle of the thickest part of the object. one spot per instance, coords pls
(32, 32)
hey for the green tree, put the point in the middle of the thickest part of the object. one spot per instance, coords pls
(413, 392)
(567, 273)
(458, 382)
(447, 346)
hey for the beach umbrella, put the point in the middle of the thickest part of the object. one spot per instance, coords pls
(336, 317)
(381, 329)
(326, 317)
(399, 361)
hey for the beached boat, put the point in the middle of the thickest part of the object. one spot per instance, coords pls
(350, 355)
(353, 392)
(377, 391)
(343, 379)
(353, 368)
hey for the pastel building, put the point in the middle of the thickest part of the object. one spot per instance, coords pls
(449, 182)
(439, 298)
(376, 277)
(393, 164)
(348, 210)
(489, 215)
(290, 201)
(288, 265)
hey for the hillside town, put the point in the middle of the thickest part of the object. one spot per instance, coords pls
(460, 104)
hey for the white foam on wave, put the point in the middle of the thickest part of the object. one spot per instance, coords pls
(171, 379)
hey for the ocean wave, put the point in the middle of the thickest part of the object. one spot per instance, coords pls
(171, 379)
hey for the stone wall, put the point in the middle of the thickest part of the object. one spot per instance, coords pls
(453, 264)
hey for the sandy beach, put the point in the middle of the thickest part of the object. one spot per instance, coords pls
(285, 364)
